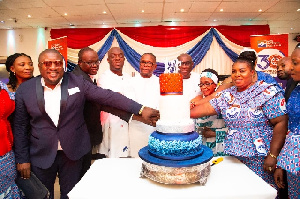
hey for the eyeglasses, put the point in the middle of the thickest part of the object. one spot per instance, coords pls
(207, 84)
(187, 63)
(48, 64)
(149, 63)
(97, 63)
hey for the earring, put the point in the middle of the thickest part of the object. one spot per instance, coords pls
(14, 73)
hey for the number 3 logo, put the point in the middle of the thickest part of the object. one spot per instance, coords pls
(268, 58)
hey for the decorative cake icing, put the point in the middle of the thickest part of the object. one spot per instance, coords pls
(175, 154)
(171, 84)
(177, 146)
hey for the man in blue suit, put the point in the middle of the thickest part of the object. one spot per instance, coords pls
(50, 134)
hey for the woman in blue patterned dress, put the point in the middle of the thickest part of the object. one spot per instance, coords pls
(212, 128)
(255, 114)
(289, 157)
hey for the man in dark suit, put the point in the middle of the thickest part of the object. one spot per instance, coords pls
(50, 134)
(88, 65)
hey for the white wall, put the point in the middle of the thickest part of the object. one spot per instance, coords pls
(34, 41)
(292, 43)
(28, 41)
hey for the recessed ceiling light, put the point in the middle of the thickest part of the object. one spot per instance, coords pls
(71, 24)
(215, 20)
(143, 10)
(2, 21)
(173, 23)
(292, 28)
(29, 16)
(298, 10)
(66, 14)
(104, 12)
(182, 10)
(221, 10)
(259, 10)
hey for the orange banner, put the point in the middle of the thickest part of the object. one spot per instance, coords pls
(60, 44)
(269, 48)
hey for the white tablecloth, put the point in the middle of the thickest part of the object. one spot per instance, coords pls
(120, 178)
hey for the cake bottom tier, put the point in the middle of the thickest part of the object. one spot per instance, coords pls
(205, 156)
(175, 175)
(176, 171)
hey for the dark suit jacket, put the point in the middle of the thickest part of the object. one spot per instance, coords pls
(36, 137)
(290, 85)
(92, 113)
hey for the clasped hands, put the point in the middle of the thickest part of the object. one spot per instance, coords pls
(149, 116)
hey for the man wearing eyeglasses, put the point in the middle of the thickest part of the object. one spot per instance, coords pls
(50, 134)
(190, 79)
(145, 90)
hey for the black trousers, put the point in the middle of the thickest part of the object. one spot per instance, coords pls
(86, 163)
(68, 173)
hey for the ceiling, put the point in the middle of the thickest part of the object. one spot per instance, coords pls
(283, 16)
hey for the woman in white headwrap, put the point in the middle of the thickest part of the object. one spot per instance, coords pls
(212, 128)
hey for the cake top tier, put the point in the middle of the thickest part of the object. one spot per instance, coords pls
(171, 84)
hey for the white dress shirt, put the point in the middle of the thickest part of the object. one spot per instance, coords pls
(52, 103)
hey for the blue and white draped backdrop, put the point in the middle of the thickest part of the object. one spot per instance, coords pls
(209, 50)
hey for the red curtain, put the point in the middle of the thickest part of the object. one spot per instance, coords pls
(80, 37)
(241, 34)
(164, 36)
(159, 36)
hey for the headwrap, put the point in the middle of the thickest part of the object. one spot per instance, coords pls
(211, 76)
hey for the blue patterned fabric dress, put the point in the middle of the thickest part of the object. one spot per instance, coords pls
(247, 115)
(289, 157)
(261, 76)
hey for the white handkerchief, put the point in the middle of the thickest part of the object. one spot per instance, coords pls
(73, 90)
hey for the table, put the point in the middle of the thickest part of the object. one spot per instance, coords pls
(120, 178)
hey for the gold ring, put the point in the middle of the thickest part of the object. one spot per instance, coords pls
(270, 168)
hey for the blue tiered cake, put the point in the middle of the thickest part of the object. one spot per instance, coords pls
(175, 154)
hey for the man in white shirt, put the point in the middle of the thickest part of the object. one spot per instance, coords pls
(115, 141)
(145, 90)
(190, 79)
